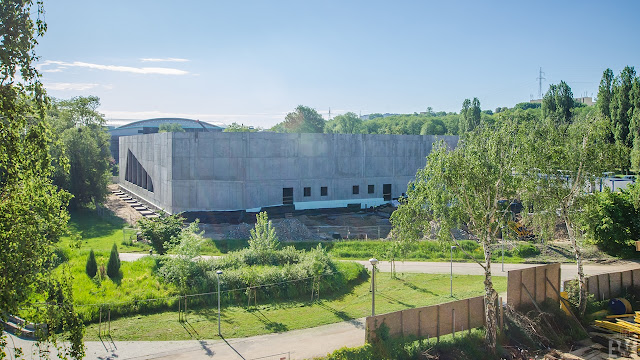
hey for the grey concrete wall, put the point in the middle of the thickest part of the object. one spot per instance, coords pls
(236, 171)
(154, 154)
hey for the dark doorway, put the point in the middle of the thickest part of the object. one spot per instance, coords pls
(287, 196)
(386, 192)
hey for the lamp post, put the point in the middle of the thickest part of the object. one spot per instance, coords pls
(503, 234)
(451, 277)
(218, 276)
(373, 262)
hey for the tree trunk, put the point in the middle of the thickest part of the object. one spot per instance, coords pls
(582, 284)
(490, 297)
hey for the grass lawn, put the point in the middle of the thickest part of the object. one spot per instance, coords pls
(100, 232)
(409, 291)
(365, 249)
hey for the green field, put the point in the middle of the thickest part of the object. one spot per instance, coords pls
(409, 291)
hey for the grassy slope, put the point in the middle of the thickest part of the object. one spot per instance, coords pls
(411, 290)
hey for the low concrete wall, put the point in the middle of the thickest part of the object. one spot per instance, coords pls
(611, 285)
(430, 321)
(534, 281)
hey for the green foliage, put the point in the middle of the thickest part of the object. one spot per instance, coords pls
(349, 123)
(558, 102)
(263, 236)
(92, 265)
(612, 220)
(32, 209)
(303, 120)
(604, 93)
(82, 159)
(113, 266)
(527, 105)
(470, 115)
(235, 127)
(179, 267)
(162, 231)
(170, 127)
(526, 250)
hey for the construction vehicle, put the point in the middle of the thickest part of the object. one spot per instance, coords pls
(521, 231)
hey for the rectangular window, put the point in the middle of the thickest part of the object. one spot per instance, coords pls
(307, 191)
(386, 192)
(287, 196)
(356, 189)
(323, 191)
(372, 189)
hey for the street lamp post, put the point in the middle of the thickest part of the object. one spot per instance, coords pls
(451, 277)
(503, 234)
(218, 273)
(373, 262)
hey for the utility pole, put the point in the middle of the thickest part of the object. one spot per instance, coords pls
(540, 78)
(329, 113)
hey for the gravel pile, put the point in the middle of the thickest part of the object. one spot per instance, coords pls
(292, 230)
(240, 231)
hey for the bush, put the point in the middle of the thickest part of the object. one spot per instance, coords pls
(526, 250)
(611, 220)
(113, 266)
(161, 232)
(92, 265)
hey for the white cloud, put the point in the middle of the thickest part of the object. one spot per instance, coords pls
(117, 68)
(70, 86)
(164, 60)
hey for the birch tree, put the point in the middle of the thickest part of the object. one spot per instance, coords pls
(463, 187)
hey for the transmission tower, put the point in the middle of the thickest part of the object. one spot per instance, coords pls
(540, 78)
(329, 113)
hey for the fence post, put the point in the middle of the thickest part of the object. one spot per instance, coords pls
(453, 322)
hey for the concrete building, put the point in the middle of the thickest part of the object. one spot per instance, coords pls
(152, 126)
(191, 172)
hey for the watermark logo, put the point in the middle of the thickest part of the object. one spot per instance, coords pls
(622, 348)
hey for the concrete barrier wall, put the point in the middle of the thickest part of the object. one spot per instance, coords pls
(610, 285)
(431, 321)
(539, 281)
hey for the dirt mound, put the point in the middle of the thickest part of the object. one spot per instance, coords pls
(292, 230)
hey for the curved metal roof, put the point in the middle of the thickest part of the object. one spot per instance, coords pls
(185, 123)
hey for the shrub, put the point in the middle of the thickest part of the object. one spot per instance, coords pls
(526, 250)
(611, 220)
(113, 266)
(161, 232)
(92, 265)
(263, 235)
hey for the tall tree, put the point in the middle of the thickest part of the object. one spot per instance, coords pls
(462, 187)
(557, 162)
(465, 122)
(303, 120)
(621, 110)
(32, 209)
(558, 102)
(604, 93)
(84, 145)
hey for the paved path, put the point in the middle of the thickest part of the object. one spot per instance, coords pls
(296, 344)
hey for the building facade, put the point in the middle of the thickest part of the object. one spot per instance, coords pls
(218, 171)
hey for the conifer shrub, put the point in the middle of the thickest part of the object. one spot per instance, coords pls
(92, 265)
(113, 266)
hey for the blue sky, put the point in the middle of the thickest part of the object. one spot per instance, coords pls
(253, 61)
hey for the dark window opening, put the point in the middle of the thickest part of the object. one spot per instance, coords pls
(386, 192)
(287, 196)
(356, 189)
(136, 174)
(372, 189)
(323, 191)
(307, 191)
